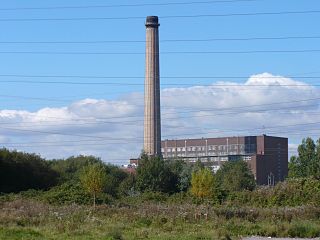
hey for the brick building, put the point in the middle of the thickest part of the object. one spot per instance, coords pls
(267, 156)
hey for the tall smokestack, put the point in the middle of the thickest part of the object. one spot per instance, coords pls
(152, 121)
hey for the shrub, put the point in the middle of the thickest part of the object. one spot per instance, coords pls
(235, 176)
(155, 175)
(22, 171)
(202, 184)
(67, 193)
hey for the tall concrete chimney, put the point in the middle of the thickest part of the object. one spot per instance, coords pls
(152, 121)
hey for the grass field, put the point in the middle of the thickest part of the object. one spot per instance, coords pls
(30, 219)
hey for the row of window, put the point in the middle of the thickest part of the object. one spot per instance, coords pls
(199, 154)
(229, 148)
(211, 158)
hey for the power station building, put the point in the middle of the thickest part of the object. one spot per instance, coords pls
(267, 156)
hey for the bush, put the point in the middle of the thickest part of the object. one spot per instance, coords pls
(293, 192)
(67, 193)
(155, 175)
(202, 184)
(235, 176)
(73, 193)
(304, 230)
(22, 171)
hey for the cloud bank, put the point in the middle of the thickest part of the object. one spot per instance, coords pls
(113, 130)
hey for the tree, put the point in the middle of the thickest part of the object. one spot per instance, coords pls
(235, 176)
(185, 177)
(202, 183)
(71, 168)
(22, 171)
(127, 186)
(115, 176)
(307, 163)
(198, 166)
(155, 175)
(93, 179)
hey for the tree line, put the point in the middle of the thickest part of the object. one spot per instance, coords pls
(87, 179)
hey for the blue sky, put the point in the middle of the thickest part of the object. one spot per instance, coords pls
(133, 29)
(32, 97)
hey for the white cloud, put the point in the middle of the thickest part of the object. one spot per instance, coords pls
(113, 130)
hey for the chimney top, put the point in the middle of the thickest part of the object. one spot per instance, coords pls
(152, 21)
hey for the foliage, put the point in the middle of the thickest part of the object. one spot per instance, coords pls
(93, 179)
(25, 219)
(70, 168)
(127, 186)
(67, 193)
(184, 182)
(155, 175)
(115, 176)
(307, 163)
(202, 183)
(181, 174)
(198, 166)
(235, 176)
(21, 171)
(293, 192)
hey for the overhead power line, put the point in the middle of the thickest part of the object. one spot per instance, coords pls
(163, 84)
(168, 52)
(163, 17)
(164, 41)
(136, 122)
(61, 133)
(138, 139)
(125, 5)
(142, 77)
(241, 110)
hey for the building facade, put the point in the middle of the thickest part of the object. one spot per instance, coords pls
(267, 156)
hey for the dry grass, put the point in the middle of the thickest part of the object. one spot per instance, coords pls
(29, 219)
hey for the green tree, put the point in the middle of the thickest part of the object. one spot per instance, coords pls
(185, 177)
(22, 171)
(198, 166)
(202, 183)
(235, 176)
(127, 186)
(71, 168)
(115, 176)
(93, 179)
(307, 163)
(155, 175)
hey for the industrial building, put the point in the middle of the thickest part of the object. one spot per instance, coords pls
(267, 156)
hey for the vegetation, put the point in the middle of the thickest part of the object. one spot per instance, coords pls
(155, 175)
(307, 163)
(164, 200)
(22, 171)
(29, 219)
(235, 176)
(202, 183)
(93, 180)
